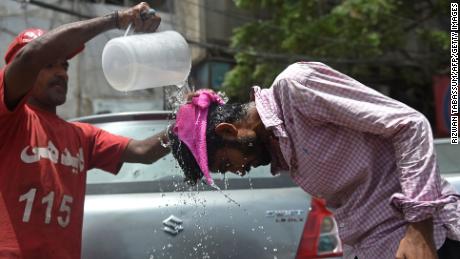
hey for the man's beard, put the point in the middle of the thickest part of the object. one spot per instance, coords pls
(252, 146)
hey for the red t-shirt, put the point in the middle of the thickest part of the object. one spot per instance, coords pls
(43, 164)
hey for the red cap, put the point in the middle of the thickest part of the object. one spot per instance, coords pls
(25, 37)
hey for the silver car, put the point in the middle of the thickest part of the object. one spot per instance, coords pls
(448, 156)
(146, 211)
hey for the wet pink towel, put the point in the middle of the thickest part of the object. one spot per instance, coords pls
(191, 121)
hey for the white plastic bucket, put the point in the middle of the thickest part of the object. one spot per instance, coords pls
(146, 61)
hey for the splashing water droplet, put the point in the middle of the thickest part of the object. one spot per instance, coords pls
(223, 95)
(178, 95)
(225, 182)
(163, 144)
(229, 199)
(213, 185)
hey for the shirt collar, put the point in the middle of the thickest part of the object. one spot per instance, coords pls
(268, 110)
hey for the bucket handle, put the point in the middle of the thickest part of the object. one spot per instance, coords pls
(144, 16)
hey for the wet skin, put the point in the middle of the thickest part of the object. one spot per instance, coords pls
(238, 162)
(252, 145)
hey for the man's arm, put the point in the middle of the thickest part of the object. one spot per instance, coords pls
(22, 72)
(148, 150)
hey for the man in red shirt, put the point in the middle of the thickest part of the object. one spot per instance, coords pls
(44, 159)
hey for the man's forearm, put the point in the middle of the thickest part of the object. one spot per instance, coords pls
(65, 39)
(148, 150)
(157, 147)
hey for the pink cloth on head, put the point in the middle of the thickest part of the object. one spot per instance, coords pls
(191, 122)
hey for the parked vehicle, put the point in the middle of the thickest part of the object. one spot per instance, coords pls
(146, 211)
(448, 156)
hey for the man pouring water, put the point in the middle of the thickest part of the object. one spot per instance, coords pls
(44, 159)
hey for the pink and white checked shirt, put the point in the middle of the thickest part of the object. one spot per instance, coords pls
(371, 157)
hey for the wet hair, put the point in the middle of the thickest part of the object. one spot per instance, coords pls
(229, 113)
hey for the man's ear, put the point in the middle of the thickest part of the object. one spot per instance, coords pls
(226, 131)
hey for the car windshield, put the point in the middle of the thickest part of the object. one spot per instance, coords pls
(164, 168)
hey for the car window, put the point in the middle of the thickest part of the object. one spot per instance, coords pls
(164, 168)
(448, 157)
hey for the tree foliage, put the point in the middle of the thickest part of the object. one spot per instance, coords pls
(397, 43)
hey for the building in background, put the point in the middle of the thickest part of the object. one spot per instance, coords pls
(219, 19)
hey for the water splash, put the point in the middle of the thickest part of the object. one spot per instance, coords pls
(225, 182)
(177, 95)
(223, 95)
(250, 181)
(214, 185)
(229, 198)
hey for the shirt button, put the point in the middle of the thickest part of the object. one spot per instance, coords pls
(341, 225)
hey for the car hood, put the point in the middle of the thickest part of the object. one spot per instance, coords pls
(245, 223)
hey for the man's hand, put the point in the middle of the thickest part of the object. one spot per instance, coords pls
(418, 242)
(140, 18)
